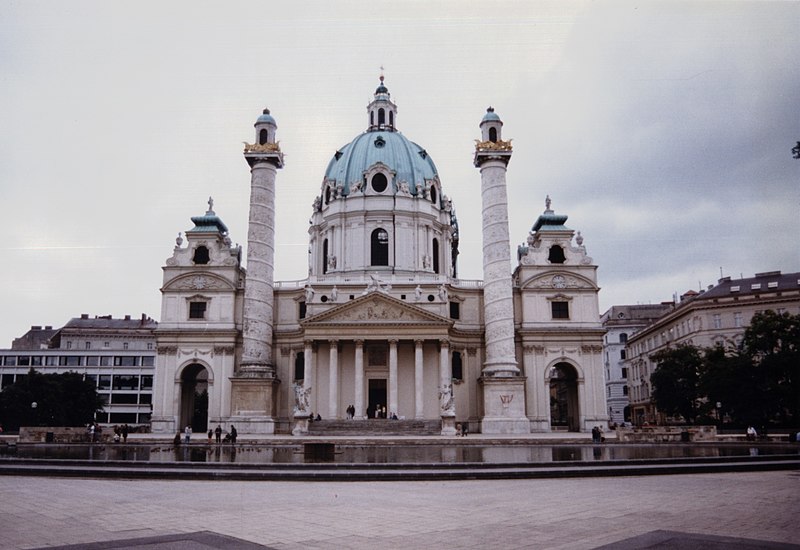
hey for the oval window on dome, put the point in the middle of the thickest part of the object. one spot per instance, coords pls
(379, 183)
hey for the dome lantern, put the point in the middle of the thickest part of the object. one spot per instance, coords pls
(381, 110)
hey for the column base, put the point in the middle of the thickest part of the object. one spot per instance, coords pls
(163, 425)
(300, 427)
(253, 399)
(504, 405)
(448, 425)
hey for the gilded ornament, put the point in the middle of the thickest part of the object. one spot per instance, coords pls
(262, 147)
(498, 145)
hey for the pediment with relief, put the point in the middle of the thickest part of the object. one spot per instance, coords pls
(196, 281)
(376, 308)
(559, 281)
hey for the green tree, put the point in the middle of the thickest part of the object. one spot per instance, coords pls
(61, 400)
(676, 381)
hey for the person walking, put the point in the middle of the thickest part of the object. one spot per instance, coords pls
(187, 433)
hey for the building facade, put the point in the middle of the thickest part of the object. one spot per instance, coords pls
(382, 324)
(117, 354)
(620, 323)
(716, 316)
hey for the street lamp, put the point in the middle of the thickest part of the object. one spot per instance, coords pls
(34, 404)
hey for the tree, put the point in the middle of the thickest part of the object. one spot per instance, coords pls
(676, 381)
(60, 400)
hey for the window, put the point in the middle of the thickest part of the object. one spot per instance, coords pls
(717, 320)
(560, 310)
(455, 310)
(624, 372)
(325, 256)
(125, 345)
(435, 255)
(148, 360)
(622, 354)
(104, 382)
(149, 345)
(105, 361)
(380, 247)
(623, 338)
(126, 382)
(457, 366)
(379, 183)
(50, 361)
(147, 381)
(87, 345)
(200, 255)
(391, 118)
(556, 255)
(263, 136)
(299, 366)
(197, 310)
(6, 380)
(493, 135)
(92, 361)
(433, 195)
(737, 319)
(145, 398)
(124, 398)
(624, 390)
(302, 312)
(36, 361)
(125, 361)
(69, 345)
(381, 117)
(11, 360)
(70, 361)
(105, 344)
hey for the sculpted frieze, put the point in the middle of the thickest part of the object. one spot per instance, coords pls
(199, 282)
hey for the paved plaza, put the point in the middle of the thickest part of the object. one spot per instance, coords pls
(542, 513)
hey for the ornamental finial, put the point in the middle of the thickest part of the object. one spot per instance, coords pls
(210, 206)
(547, 203)
(381, 77)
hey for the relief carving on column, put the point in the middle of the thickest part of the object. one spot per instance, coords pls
(223, 350)
(286, 351)
(472, 352)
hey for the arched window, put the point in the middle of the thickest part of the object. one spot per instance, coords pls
(381, 117)
(380, 247)
(327, 195)
(493, 135)
(325, 256)
(435, 253)
(372, 118)
(200, 255)
(379, 183)
(391, 118)
(623, 337)
(433, 194)
(263, 136)
(556, 255)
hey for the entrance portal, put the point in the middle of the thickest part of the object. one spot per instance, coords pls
(194, 398)
(376, 398)
(564, 413)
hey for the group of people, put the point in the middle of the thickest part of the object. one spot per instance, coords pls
(462, 430)
(597, 435)
(121, 433)
(230, 437)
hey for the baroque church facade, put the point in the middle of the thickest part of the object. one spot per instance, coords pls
(382, 326)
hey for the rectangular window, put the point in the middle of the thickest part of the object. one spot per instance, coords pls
(51, 360)
(36, 361)
(105, 344)
(124, 398)
(24, 361)
(145, 398)
(122, 418)
(88, 345)
(105, 361)
(70, 361)
(126, 382)
(624, 372)
(197, 310)
(773, 284)
(560, 310)
(69, 345)
(92, 361)
(148, 360)
(147, 382)
(149, 345)
(125, 345)
(11, 360)
(717, 320)
(302, 311)
(622, 354)
(737, 319)
(455, 310)
(125, 361)
(104, 382)
(624, 390)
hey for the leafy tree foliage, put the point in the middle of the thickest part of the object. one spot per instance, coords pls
(676, 381)
(61, 400)
(756, 383)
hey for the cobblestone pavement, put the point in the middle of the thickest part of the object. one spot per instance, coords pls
(540, 513)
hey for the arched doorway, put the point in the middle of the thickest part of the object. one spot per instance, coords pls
(194, 398)
(564, 410)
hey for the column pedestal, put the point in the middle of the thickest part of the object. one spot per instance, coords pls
(449, 424)
(253, 393)
(300, 425)
(504, 405)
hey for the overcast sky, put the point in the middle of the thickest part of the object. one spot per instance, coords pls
(663, 129)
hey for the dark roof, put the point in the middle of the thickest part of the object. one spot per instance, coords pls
(106, 322)
(772, 281)
(36, 338)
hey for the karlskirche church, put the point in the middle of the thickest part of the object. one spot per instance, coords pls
(382, 327)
